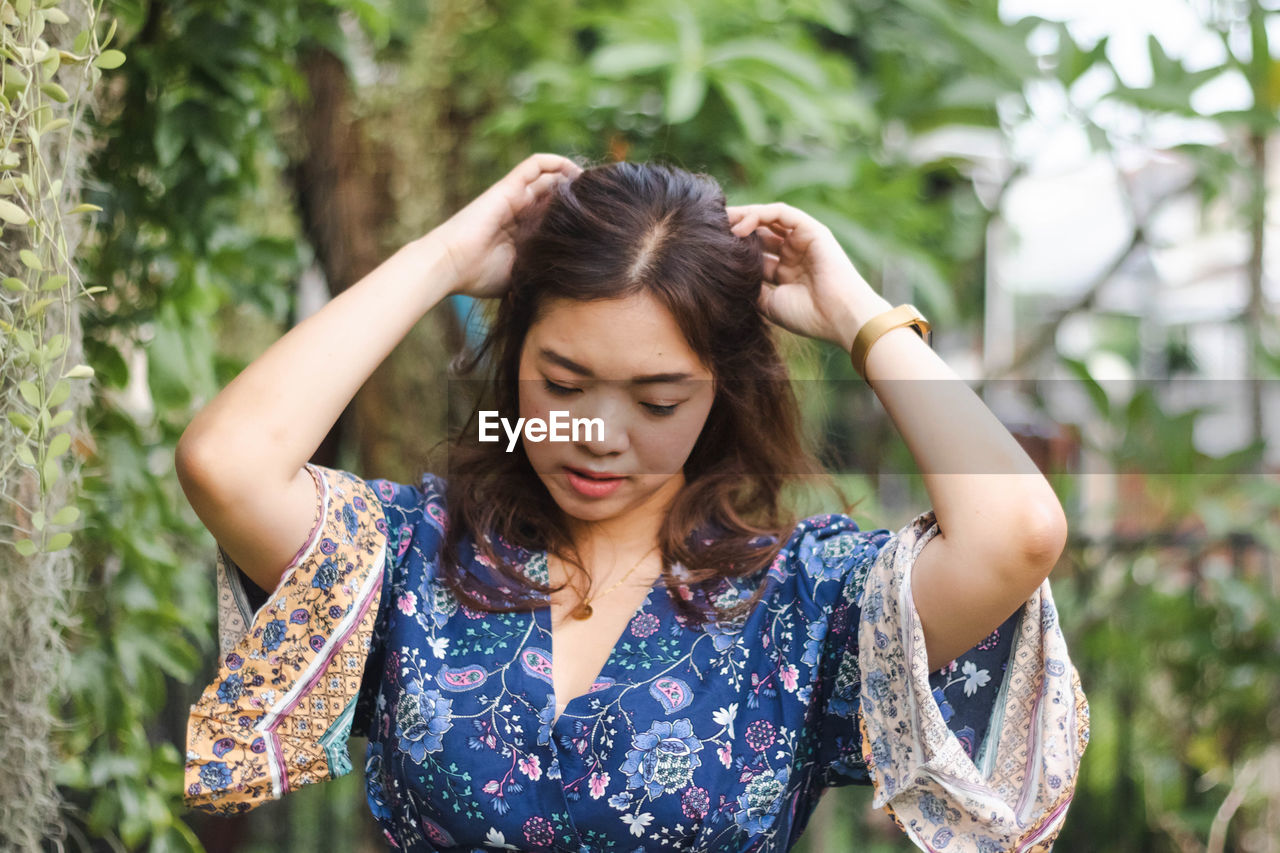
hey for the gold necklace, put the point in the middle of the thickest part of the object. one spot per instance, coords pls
(584, 611)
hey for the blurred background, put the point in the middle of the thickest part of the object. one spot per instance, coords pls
(1079, 194)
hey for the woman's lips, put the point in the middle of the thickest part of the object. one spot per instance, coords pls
(590, 486)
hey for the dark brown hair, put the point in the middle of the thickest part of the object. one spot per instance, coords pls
(616, 230)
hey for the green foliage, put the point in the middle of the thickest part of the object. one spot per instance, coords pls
(816, 103)
(34, 436)
(1180, 687)
(792, 104)
(147, 600)
(43, 384)
(1176, 629)
(189, 180)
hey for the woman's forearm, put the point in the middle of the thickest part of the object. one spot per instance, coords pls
(986, 492)
(270, 419)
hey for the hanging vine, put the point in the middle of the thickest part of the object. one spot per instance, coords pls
(52, 57)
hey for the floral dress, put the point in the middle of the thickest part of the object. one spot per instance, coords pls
(713, 738)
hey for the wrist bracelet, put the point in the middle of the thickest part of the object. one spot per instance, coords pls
(902, 315)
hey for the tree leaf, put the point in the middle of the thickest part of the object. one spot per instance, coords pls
(53, 90)
(625, 60)
(109, 59)
(61, 390)
(60, 444)
(746, 109)
(795, 64)
(29, 393)
(52, 471)
(685, 93)
(66, 515)
(13, 214)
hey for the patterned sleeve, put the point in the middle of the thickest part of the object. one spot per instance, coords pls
(293, 679)
(981, 755)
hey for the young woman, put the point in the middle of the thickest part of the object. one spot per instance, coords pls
(623, 640)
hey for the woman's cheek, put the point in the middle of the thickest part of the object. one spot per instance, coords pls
(534, 403)
(665, 451)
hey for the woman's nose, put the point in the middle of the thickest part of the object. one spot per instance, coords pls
(610, 435)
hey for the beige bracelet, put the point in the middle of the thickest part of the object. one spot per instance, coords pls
(901, 315)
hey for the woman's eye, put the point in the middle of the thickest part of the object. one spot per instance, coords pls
(558, 390)
(565, 391)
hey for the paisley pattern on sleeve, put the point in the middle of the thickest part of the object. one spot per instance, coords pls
(1015, 795)
(279, 711)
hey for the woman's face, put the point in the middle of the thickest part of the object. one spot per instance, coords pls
(625, 362)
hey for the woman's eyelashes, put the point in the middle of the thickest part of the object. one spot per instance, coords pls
(566, 391)
(558, 390)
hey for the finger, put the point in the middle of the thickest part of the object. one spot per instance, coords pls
(758, 217)
(744, 220)
(535, 165)
(775, 228)
(764, 299)
(544, 182)
(771, 241)
(779, 213)
(557, 163)
(770, 267)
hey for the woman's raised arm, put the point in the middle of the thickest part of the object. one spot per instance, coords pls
(240, 460)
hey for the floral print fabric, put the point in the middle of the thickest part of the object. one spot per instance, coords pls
(719, 737)
(278, 713)
(1014, 794)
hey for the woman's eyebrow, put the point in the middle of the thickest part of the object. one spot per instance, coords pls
(649, 379)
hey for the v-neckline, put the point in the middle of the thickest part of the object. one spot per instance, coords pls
(542, 619)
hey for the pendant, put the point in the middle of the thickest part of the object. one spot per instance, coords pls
(582, 611)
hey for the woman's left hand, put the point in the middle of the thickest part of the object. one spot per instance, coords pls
(809, 286)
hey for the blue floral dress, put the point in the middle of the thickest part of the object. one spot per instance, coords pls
(713, 738)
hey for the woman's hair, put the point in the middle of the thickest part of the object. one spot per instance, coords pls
(617, 230)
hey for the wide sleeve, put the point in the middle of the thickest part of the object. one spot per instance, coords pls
(981, 755)
(294, 665)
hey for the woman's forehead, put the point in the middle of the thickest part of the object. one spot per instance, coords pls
(634, 337)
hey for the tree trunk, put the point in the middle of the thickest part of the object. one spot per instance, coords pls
(342, 182)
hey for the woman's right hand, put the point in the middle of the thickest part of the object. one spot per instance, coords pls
(478, 242)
